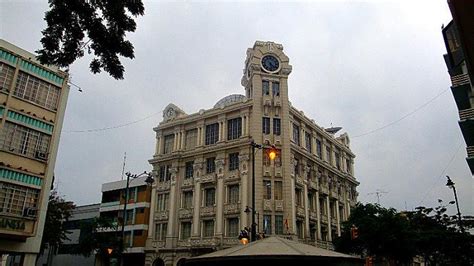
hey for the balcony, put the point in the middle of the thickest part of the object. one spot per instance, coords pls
(466, 114)
(461, 88)
(470, 158)
(185, 213)
(459, 80)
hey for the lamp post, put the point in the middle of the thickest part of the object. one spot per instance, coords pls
(149, 180)
(271, 155)
(450, 184)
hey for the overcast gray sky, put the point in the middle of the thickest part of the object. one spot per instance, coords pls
(359, 65)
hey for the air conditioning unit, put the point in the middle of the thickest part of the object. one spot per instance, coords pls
(41, 155)
(30, 212)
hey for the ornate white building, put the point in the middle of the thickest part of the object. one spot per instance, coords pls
(204, 176)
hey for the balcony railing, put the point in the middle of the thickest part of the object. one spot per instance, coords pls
(461, 79)
(470, 151)
(466, 114)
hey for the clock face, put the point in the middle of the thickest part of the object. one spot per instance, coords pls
(170, 112)
(270, 63)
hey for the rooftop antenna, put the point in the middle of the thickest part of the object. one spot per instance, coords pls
(378, 193)
(123, 167)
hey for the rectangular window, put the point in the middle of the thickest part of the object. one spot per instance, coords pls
(298, 197)
(276, 88)
(307, 140)
(322, 207)
(348, 166)
(210, 165)
(38, 91)
(209, 197)
(328, 154)
(187, 199)
(208, 228)
(279, 224)
(265, 125)
(278, 190)
(212, 133)
(162, 202)
(296, 134)
(297, 167)
(160, 231)
(233, 194)
(319, 149)
(234, 128)
(15, 199)
(189, 169)
(338, 160)
(309, 173)
(233, 161)
(267, 224)
(25, 141)
(6, 76)
(276, 126)
(232, 227)
(165, 174)
(191, 139)
(169, 142)
(168, 173)
(265, 87)
(299, 229)
(267, 189)
(185, 230)
(311, 201)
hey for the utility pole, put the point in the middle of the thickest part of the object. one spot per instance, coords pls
(378, 193)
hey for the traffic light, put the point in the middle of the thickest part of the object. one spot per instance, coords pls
(354, 232)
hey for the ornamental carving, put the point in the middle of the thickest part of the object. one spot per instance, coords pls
(161, 215)
(220, 163)
(161, 186)
(187, 182)
(207, 242)
(299, 181)
(232, 208)
(267, 205)
(208, 178)
(278, 205)
(233, 175)
(300, 211)
(208, 211)
(232, 241)
(313, 216)
(185, 213)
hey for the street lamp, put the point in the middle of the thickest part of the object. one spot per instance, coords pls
(272, 153)
(247, 211)
(149, 181)
(450, 184)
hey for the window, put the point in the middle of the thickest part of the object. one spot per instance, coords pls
(210, 165)
(233, 194)
(265, 125)
(160, 231)
(266, 159)
(309, 172)
(127, 238)
(279, 224)
(187, 199)
(38, 91)
(189, 169)
(319, 150)
(267, 189)
(212, 133)
(299, 229)
(6, 76)
(169, 142)
(322, 208)
(265, 87)
(185, 230)
(348, 166)
(311, 201)
(276, 88)
(25, 141)
(209, 197)
(208, 228)
(131, 194)
(233, 161)
(297, 167)
(162, 202)
(191, 139)
(138, 233)
(165, 174)
(296, 134)
(15, 199)
(234, 128)
(338, 160)
(232, 227)
(328, 154)
(278, 190)
(276, 126)
(307, 140)
(267, 224)
(298, 197)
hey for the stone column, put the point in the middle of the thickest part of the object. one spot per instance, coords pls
(151, 222)
(175, 141)
(203, 135)
(243, 163)
(318, 215)
(157, 146)
(183, 135)
(338, 218)
(293, 199)
(306, 207)
(328, 204)
(197, 207)
(220, 197)
(173, 223)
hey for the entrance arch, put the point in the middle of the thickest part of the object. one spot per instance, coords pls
(158, 262)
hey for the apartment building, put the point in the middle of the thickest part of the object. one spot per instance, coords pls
(137, 216)
(32, 105)
(203, 169)
(459, 39)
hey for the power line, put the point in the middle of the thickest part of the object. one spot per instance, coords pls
(403, 117)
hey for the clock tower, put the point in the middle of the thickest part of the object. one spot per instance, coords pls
(266, 84)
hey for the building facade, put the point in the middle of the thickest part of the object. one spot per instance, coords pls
(203, 168)
(459, 39)
(32, 105)
(137, 217)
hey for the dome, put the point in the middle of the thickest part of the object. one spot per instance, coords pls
(231, 99)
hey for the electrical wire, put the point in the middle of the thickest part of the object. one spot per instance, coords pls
(401, 118)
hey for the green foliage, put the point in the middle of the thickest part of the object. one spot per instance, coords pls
(399, 236)
(59, 211)
(105, 22)
(98, 235)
